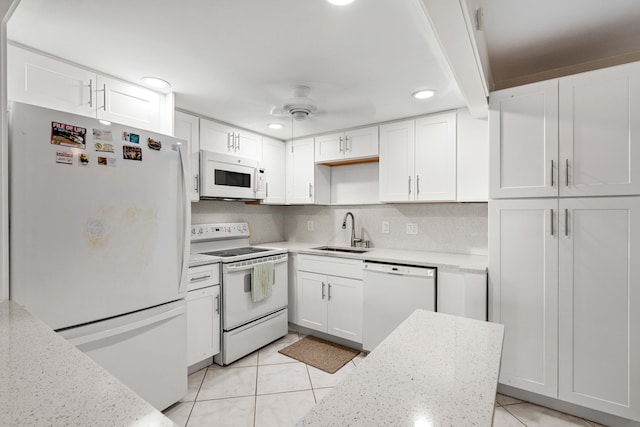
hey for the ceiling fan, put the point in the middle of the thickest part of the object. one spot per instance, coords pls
(299, 107)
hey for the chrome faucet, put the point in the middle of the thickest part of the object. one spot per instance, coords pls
(354, 240)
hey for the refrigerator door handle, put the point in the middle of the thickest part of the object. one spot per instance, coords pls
(119, 330)
(182, 279)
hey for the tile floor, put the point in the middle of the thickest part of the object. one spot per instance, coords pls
(267, 388)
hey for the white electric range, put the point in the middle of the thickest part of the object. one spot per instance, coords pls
(246, 325)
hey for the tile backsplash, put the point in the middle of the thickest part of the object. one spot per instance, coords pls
(442, 227)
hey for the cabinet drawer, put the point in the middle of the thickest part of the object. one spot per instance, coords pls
(333, 266)
(203, 276)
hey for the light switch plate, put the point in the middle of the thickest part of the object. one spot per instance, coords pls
(412, 228)
(385, 227)
(310, 225)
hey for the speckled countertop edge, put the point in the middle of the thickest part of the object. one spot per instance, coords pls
(434, 369)
(45, 380)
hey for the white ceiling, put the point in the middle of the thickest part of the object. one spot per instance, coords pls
(525, 37)
(234, 60)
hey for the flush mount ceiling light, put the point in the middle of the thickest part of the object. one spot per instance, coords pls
(423, 94)
(275, 126)
(340, 2)
(105, 122)
(156, 82)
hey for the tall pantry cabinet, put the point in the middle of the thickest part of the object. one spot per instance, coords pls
(564, 227)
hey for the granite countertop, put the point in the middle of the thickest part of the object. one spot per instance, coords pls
(433, 370)
(467, 263)
(45, 380)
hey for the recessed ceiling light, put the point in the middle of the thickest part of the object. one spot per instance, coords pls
(340, 2)
(424, 94)
(105, 122)
(275, 126)
(156, 82)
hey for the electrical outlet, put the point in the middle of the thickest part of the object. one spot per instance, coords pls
(412, 228)
(310, 225)
(385, 227)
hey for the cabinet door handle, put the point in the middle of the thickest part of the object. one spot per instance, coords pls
(409, 186)
(310, 190)
(196, 186)
(566, 171)
(329, 298)
(90, 93)
(218, 304)
(566, 222)
(346, 144)
(266, 190)
(238, 143)
(551, 173)
(418, 185)
(341, 149)
(104, 97)
(552, 231)
(230, 141)
(322, 290)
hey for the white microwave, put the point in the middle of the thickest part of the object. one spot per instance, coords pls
(229, 177)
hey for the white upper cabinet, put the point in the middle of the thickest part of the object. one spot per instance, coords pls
(523, 124)
(396, 154)
(418, 159)
(396, 161)
(599, 304)
(350, 145)
(574, 136)
(40, 80)
(274, 163)
(307, 183)
(222, 138)
(435, 158)
(123, 102)
(47, 82)
(600, 132)
(187, 127)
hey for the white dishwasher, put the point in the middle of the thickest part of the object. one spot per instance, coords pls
(390, 294)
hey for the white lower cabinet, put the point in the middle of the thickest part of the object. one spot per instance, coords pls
(328, 303)
(563, 278)
(203, 313)
(462, 293)
(599, 304)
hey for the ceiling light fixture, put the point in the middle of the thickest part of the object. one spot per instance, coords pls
(340, 2)
(423, 94)
(105, 122)
(156, 82)
(275, 126)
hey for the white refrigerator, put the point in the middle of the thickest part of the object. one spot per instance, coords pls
(98, 242)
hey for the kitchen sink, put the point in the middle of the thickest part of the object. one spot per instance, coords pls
(342, 249)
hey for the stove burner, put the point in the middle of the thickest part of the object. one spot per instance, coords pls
(225, 253)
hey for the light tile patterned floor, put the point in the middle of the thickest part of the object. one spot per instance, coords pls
(267, 389)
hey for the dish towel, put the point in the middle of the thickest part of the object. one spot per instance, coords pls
(261, 281)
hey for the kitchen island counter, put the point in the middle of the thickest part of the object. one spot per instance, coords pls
(433, 370)
(462, 262)
(45, 380)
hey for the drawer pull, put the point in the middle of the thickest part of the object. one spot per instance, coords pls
(200, 278)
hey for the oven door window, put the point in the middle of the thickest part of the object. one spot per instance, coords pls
(232, 179)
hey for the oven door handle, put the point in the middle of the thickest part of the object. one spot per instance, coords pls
(249, 267)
